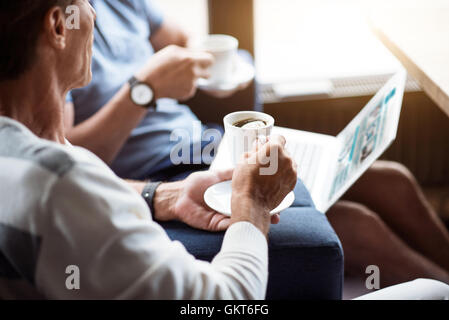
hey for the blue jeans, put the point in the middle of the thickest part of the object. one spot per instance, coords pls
(305, 254)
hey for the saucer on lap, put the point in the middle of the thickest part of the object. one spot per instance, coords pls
(218, 198)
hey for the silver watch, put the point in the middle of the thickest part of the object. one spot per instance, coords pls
(141, 93)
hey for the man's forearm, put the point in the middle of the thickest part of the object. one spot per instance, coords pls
(106, 131)
(169, 33)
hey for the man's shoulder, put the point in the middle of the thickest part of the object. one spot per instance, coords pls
(18, 143)
(45, 170)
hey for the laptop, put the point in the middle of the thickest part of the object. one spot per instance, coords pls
(328, 165)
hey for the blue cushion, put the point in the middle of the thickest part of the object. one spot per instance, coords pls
(305, 254)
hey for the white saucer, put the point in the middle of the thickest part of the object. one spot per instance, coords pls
(243, 73)
(218, 197)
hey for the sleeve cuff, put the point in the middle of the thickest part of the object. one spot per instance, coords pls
(244, 236)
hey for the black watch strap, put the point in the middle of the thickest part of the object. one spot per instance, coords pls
(148, 195)
(134, 81)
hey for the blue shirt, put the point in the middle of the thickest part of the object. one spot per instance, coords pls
(121, 48)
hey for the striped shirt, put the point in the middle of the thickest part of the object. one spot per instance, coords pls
(63, 209)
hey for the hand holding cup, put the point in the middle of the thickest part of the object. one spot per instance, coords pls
(254, 195)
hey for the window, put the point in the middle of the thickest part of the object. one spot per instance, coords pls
(297, 40)
(191, 15)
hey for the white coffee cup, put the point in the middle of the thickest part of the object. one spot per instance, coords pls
(241, 139)
(224, 49)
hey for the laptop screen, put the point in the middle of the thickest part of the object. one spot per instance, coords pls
(368, 135)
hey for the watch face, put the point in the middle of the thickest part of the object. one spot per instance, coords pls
(141, 94)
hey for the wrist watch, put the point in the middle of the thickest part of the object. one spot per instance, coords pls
(142, 94)
(148, 195)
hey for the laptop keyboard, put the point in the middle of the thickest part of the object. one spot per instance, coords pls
(307, 157)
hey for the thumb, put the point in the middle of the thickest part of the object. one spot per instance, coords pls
(275, 218)
(223, 224)
(225, 175)
(203, 59)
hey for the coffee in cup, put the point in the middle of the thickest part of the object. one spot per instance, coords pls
(251, 123)
(242, 128)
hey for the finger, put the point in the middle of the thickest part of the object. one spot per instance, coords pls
(287, 153)
(203, 59)
(245, 157)
(276, 138)
(295, 165)
(262, 139)
(223, 224)
(258, 143)
(275, 143)
(200, 72)
(275, 218)
(255, 146)
(224, 175)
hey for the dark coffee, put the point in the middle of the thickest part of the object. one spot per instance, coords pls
(241, 123)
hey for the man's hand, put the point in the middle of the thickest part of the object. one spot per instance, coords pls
(184, 201)
(254, 195)
(173, 72)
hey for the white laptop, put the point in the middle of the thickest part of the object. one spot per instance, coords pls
(329, 165)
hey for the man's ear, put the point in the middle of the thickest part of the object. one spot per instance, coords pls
(55, 27)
